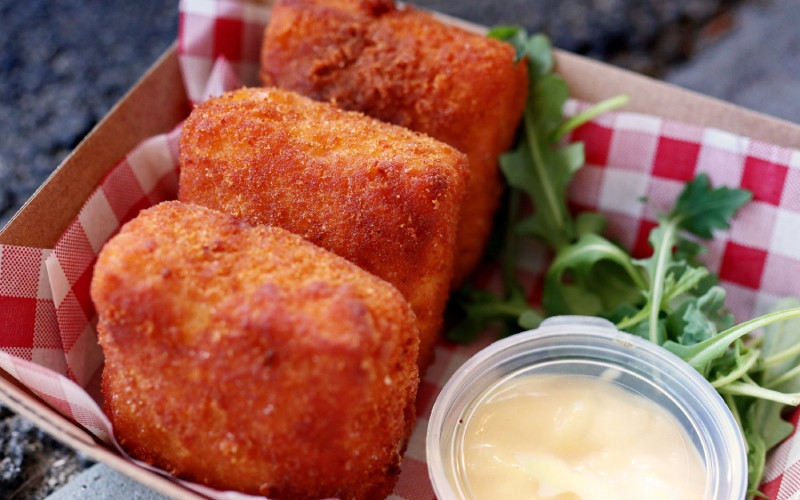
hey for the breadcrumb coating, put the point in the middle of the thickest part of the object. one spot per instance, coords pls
(245, 358)
(404, 66)
(379, 195)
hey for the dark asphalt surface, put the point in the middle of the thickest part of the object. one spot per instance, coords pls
(63, 64)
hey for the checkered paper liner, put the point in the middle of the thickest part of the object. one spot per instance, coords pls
(47, 321)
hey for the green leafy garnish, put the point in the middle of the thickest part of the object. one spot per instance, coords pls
(670, 298)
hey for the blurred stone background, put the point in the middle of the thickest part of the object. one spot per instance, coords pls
(63, 64)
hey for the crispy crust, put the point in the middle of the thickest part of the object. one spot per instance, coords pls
(379, 195)
(403, 66)
(243, 357)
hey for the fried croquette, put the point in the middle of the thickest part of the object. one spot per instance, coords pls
(379, 195)
(245, 358)
(404, 66)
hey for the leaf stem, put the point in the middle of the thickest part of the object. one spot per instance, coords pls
(551, 198)
(756, 391)
(641, 315)
(728, 398)
(590, 114)
(698, 355)
(745, 363)
(781, 356)
(788, 375)
(662, 257)
(506, 309)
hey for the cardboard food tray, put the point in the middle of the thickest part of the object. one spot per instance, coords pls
(158, 103)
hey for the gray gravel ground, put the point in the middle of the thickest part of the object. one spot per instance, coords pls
(756, 64)
(645, 36)
(63, 64)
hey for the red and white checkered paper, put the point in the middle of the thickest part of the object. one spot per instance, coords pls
(47, 321)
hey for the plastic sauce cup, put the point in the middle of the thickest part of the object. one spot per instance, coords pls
(588, 346)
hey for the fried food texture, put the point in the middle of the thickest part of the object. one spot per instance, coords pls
(245, 358)
(404, 66)
(379, 195)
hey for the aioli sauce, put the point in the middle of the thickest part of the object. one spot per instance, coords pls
(576, 437)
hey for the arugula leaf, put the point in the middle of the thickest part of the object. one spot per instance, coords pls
(546, 182)
(670, 298)
(779, 358)
(701, 209)
(699, 318)
(756, 458)
(734, 365)
(481, 309)
(513, 35)
(550, 221)
(594, 287)
(540, 166)
(701, 353)
(698, 210)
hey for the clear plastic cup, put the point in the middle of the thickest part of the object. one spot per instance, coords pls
(578, 345)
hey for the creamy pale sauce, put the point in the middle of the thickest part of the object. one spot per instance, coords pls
(575, 437)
